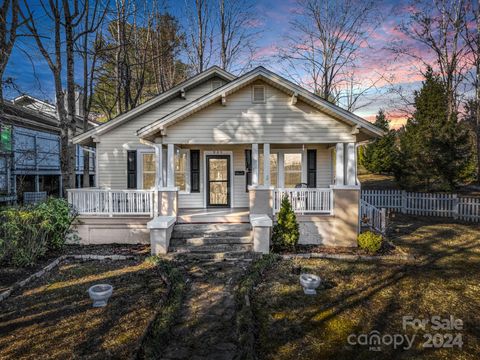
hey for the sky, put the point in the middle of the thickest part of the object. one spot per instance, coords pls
(377, 62)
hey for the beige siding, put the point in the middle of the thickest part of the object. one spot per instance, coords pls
(275, 121)
(113, 146)
(240, 196)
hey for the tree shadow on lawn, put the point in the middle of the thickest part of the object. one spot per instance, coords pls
(370, 296)
(54, 318)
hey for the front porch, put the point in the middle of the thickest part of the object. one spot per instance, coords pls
(193, 184)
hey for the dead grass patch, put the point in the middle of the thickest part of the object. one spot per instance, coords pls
(53, 317)
(374, 296)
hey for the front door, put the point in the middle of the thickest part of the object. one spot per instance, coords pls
(218, 180)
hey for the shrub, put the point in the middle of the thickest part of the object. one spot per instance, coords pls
(27, 233)
(285, 232)
(370, 242)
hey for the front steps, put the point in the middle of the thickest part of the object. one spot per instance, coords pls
(217, 241)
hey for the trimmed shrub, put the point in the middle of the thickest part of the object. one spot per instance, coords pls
(27, 233)
(370, 242)
(285, 232)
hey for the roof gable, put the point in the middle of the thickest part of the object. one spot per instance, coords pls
(154, 102)
(259, 73)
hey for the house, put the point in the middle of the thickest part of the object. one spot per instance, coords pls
(224, 149)
(30, 149)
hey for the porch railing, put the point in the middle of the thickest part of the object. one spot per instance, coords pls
(310, 200)
(112, 202)
(373, 217)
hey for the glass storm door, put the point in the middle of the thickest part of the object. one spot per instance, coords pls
(218, 180)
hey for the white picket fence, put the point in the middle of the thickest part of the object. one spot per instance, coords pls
(112, 202)
(373, 217)
(305, 200)
(426, 204)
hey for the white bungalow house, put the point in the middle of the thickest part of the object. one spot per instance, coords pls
(224, 149)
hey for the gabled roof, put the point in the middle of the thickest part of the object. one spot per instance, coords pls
(260, 73)
(154, 102)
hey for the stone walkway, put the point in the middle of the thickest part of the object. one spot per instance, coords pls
(206, 325)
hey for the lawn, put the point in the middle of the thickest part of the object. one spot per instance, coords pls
(366, 296)
(53, 317)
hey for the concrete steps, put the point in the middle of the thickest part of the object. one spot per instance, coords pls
(212, 242)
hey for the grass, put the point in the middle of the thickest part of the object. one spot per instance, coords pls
(366, 296)
(54, 318)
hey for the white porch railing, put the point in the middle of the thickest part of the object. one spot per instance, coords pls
(373, 217)
(112, 202)
(309, 200)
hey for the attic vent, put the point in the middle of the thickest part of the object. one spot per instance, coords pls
(258, 94)
(216, 84)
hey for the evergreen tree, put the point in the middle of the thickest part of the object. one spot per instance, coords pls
(434, 148)
(380, 155)
(285, 232)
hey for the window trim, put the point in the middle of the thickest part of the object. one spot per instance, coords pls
(141, 151)
(264, 94)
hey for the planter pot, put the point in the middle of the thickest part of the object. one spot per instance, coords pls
(309, 283)
(100, 294)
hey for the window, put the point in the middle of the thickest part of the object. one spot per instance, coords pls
(292, 169)
(258, 94)
(273, 169)
(181, 170)
(148, 173)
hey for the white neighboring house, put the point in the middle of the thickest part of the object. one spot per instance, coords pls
(220, 148)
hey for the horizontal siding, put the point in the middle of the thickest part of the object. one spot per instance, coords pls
(275, 121)
(113, 146)
(239, 195)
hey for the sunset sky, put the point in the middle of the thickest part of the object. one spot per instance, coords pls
(377, 62)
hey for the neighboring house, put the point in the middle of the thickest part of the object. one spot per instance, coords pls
(220, 148)
(30, 150)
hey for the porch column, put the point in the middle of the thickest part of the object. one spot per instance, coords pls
(339, 165)
(170, 166)
(266, 165)
(351, 165)
(159, 166)
(254, 164)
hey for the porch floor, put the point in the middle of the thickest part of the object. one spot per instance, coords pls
(220, 215)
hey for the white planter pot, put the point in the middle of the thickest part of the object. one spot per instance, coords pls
(100, 294)
(309, 282)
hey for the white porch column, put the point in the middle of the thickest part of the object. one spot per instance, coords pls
(351, 165)
(254, 164)
(170, 166)
(159, 166)
(340, 165)
(266, 164)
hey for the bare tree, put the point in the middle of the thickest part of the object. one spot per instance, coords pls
(199, 41)
(438, 26)
(9, 22)
(324, 42)
(237, 34)
(88, 47)
(66, 17)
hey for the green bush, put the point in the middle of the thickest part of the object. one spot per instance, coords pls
(27, 233)
(370, 242)
(285, 232)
